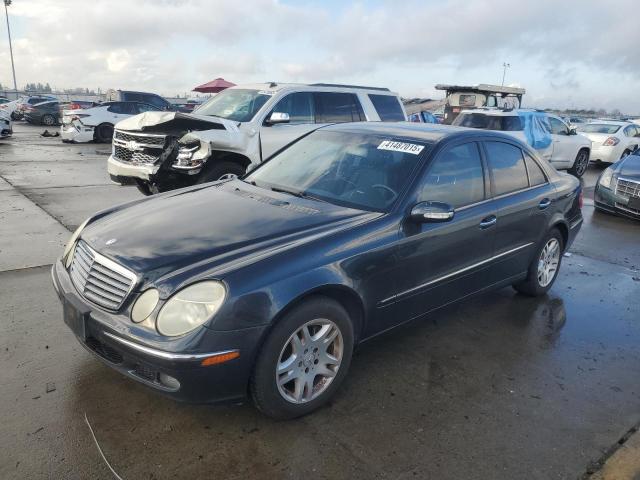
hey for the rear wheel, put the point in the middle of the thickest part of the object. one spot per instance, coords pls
(220, 171)
(544, 267)
(104, 133)
(625, 153)
(303, 360)
(581, 163)
(48, 120)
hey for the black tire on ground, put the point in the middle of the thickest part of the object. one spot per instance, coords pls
(48, 120)
(15, 116)
(263, 387)
(625, 153)
(143, 187)
(580, 164)
(531, 285)
(104, 133)
(220, 169)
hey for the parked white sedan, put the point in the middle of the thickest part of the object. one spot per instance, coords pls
(611, 140)
(96, 124)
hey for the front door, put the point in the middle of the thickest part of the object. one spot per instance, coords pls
(441, 262)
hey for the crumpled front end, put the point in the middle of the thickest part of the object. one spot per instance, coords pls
(6, 127)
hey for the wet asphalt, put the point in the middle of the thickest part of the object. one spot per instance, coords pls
(500, 386)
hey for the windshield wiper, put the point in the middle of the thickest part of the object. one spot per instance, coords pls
(297, 193)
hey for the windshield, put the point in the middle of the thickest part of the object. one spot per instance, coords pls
(489, 122)
(239, 105)
(599, 128)
(354, 170)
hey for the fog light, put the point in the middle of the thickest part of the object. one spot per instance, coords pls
(168, 381)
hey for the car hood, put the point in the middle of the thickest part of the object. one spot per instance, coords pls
(215, 227)
(159, 121)
(630, 167)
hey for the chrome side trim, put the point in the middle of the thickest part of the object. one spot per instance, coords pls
(457, 272)
(162, 354)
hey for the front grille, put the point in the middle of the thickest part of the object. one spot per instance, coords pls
(628, 188)
(98, 279)
(138, 148)
(146, 139)
(125, 155)
(104, 350)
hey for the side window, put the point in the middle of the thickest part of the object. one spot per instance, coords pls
(337, 108)
(154, 100)
(507, 167)
(630, 131)
(145, 107)
(115, 107)
(388, 107)
(298, 105)
(456, 177)
(536, 175)
(558, 127)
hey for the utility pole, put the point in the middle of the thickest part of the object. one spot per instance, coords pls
(13, 68)
(504, 69)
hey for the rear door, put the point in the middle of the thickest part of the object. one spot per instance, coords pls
(441, 262)
(523, 197)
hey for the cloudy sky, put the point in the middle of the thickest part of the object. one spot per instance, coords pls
(571, 53)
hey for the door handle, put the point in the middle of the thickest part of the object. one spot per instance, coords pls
(544, 203)
(488, 222)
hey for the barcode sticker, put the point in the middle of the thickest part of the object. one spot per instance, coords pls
(411, 148)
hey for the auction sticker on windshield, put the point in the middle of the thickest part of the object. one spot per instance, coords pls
(412, 148)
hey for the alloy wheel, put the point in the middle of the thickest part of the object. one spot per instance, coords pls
(309, 361)
(548, 262)
(582, 163)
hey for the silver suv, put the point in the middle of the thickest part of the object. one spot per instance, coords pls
(240, 127)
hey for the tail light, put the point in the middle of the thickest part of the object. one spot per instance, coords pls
(78, 116)
(74, 106)
(611, 141)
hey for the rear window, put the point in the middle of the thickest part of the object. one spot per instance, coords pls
(599, 128)
(388, 107)
(467, 100)
(483, 121)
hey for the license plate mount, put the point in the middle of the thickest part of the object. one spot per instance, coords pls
(75, 316)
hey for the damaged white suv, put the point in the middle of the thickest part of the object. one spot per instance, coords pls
(239, 127)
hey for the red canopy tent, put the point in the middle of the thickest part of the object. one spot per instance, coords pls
(214, 86)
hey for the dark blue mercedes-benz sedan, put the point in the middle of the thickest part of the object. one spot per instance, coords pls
(262, 286)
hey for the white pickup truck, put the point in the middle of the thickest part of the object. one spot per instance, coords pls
(567, 149)
(237, 128)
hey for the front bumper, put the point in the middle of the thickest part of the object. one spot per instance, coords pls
(609, 201)
(121, 169)
(111, 338)
(72, 132)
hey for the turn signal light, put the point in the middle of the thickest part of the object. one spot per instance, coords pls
(219, 358)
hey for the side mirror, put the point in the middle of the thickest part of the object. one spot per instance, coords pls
(573, 131)
(278, 117)
(432, 212)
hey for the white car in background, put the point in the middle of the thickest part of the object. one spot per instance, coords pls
(96, 123)
(611, 140)
(6, 126)
(567, 151)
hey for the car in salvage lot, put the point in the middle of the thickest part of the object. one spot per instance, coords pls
(235, 130)
(96, 123)
(44, 113)
(618, 188)
(6, 125)
(346, 233)
(611, 140)
(565, 149)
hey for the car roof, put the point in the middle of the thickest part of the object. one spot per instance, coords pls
(499, 112)
(610, 122)
(423, 132)
(275, 87)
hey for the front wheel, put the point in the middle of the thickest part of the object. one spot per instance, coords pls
(104, 133)
(303, 360)
(581, 163)
(48, 120)
(544, 267)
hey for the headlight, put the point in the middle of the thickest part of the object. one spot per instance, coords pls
(145, 304)
(605, 178)
(190, 308)
(72, 242)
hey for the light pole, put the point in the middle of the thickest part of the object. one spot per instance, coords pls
(504, 67)
(13, 68)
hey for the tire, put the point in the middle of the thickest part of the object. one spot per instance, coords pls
(104, 133)
(143, 187)
(219, 170)
(48, 120)
(534, 285)
(580, 164)
(625, 153)
(284, 400)
(15, 116)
